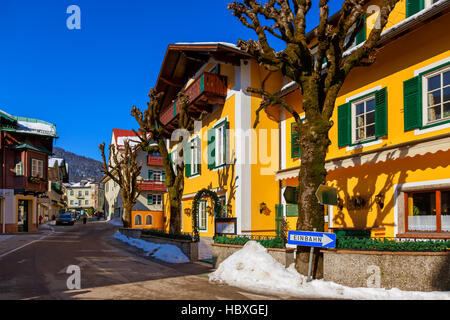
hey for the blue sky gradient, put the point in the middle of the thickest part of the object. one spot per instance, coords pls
(86, 81)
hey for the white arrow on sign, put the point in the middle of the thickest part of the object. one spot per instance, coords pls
(326, 240)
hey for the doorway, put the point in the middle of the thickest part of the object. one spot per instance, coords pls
(23, 215)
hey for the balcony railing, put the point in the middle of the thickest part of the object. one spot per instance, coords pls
(152, 185)
(154, 160)
(207, 89)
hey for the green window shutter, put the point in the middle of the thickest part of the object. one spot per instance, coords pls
(175, 109)
(412, 99)
(295, 145)
(150, 174)
(381, 120)
(414, 6)
(163, 175)
(199, 154)
(187, 160)
(344, 125)
(211, 148)
(149, 199)
(361, 36)
(292, 210)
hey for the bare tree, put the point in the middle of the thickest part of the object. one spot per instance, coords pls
(124, 170)
(318, 82)
(149, 123)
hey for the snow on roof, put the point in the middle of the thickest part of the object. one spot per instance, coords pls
(226, 44)
(52, 161)
(252, 268)
(132, 141)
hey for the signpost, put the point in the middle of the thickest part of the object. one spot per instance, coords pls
(327, 195)
(312, 239)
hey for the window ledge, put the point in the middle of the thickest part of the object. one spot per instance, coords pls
(424, 235)
(363, 145)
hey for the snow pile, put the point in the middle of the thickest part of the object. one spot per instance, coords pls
(252, 268)
(166, 252)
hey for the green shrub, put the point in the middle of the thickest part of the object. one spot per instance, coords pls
(160, 233)
(242, 240)
(384, 244)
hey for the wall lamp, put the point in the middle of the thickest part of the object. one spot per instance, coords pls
(379, 200)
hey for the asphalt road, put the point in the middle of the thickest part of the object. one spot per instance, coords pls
(109, 269)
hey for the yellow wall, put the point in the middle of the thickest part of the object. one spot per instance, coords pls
(157, 219)
(396, 63)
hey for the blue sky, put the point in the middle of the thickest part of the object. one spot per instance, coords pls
(86, 81)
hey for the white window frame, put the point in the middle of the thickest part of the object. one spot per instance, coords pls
(221, 136)
(202, 216)
(18, 170)
(353, 105)
(156, 199)
(37, 168)
(195, 161)
(425, 121)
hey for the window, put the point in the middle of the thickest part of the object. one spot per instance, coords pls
(428, 211)
(71, 202)
(80, 193)
(19, 169)
(71, 192)
(414, 6)
(37, 168)
(86, 202)
(86, 193)
(295, 144)
(193, 157)
(363, 115)
(217, 145)
(223, 202)
(426, 99)
(437, 96)
(156, 175)
(149, 220)
(202, 215)
(138, 220)
(154, 199)
(363, 118)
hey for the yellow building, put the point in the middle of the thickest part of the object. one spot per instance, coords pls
(389, 157)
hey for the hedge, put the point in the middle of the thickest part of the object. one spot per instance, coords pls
(384, 244)
(158, 233)
(242, 240)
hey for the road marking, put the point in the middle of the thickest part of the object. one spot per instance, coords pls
(21, 247)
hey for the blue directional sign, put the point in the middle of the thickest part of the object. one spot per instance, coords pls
(312, 239)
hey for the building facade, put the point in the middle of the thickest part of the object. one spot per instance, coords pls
(149, 209)
(84, 195)
(390, 142)
(25, 145)
(389, 157)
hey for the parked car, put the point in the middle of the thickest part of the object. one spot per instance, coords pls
(66, 218)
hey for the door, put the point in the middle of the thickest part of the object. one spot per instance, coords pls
(22, 216)
(278, 219)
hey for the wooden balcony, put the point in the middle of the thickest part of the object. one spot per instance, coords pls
(152, 185)
(30, 184)
(154, 160)
(207, 90)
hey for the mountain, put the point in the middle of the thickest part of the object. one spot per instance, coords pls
(80, 168)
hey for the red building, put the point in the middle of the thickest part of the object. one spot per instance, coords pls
(25, 145)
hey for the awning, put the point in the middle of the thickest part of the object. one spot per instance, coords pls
(399, 151)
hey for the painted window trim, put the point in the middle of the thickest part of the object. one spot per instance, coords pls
(135, 216)
(220, 123)
(31, 167)
(423, 76)
(206, 215)
(193, 165)
(151, 217)
(361, 143)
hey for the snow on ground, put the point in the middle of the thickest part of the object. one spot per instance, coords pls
(166, 252)
(252, 268)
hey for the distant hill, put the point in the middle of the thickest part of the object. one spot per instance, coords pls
(80, 168)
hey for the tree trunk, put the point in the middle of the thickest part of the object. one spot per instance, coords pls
(175, 210)
(310, 211)
(126, 218)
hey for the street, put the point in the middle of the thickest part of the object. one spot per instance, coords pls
(109, 269)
